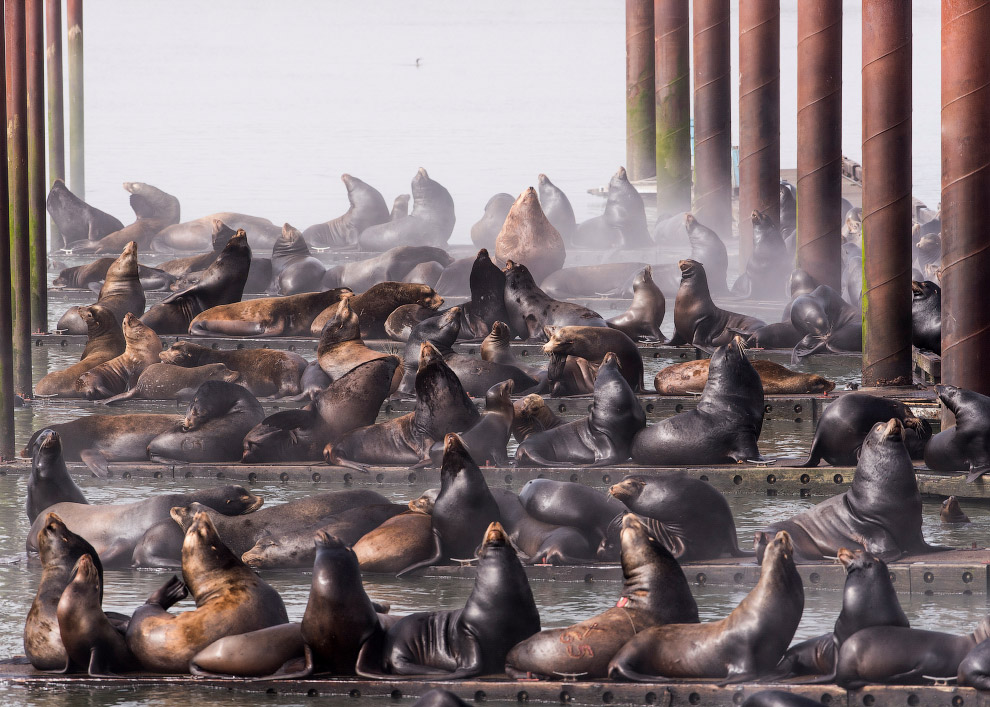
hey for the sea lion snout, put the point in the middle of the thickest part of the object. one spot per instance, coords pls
(495, 535)
(893, 427)
(845, 556)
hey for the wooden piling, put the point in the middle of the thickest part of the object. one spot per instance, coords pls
(77, 127)
(56, 107)
(640, 119)
(37, 185)
(673, 105)
(6, 323)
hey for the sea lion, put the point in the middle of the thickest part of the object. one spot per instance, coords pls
(400, 322)
(487, 439)
(273, 652)
(880, 513)
(154, 209)
(601, 438)
(294, 270)
(741, 647)
(531, 416)
(763, 276)
(966, 445)
(196, 235)
(163, 381)
(622, 225)
(530, 310)
(455, 279)
(539, 542)
(557, 208)
(400, 207)
(602, 280)
(486, 230)
(593, 344)
(49, 482)
(74, 219)
(974, 670)
(724, 427)
(847, 422)
(499, 613)
(655, 591)
(496, 348)
(390, 266)
(288, 315)
(92, 643)
(393, 545)
(264, 372)
(218, 417)
(366, 207)
(220, 233)
(373, 306)
(230, 599)
(951, 513)
(430, 223)
(439, 697)
(572, 504)
(691, 376)
(121, 293)
(528, 237)
(695, 522)
(104, 343)
(641, 322)
(708, 249)
(788, 205)
(425, 274)
(141, 349)
(341, 348)
(926, 316)
(91, 274)
(779, 698)
(696, 318)
(827, 322)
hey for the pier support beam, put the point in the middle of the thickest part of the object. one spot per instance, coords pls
(887, 358)
(965, 186)
(759, 116)
(6, 317)
(712, 116)
(673, 105)
(77, 126)
(56, 107)
(819, 128)
(640, 120)
(37, 185)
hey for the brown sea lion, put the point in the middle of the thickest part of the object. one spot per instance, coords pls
(696, 318)
(163, 381)
(230, 599)
(487, 439)
(104, 343)
(528, 237)
(264, 372)
(121, 293)
(142, 347)
(341, 349)
(374, 306)
(623, 223)
(641, 322)
(691, 377)
(393, 545)
(219, 235)
(154, 209)
(288, 315)
(592, 344)
(951, 513)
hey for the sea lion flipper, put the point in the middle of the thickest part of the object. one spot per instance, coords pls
(976, 472)
(96, 461)
(97, 665)
(96, 286)
(436, 557)
(126, 395)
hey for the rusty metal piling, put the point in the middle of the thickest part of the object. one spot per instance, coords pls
(56, 107)
(673, 105)
(37, 186)
(77, 127)
(640, 120)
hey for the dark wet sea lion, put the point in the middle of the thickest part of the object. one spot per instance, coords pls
(230, 599)
(439, 697)
(392, 546)
(294, 270)
(366, 208)
(496, 348)
(724, 427)
(49, 482)
(486, 230)
(487, 439)
(826, 322)
(691, 377)
(763, 277)
(602, 438)
(375, 305)
(75, 219)
(539, 542)
(531, 416)
(926, 316)
(487, 284)
(105, 342)
(163, 381)
(779, 335)
(654, 592)
(141, 349)
(390, 266)
(530, 309)
(846, 423)
(641, 322)
(741, 647)
(154, 209)
(966, 445)
(121, 293)
(499, 613)
(587, 281)
(695, 519)
(622, 225)
(430, 223)
(778, 698)
(400, 322)
(276, 652)
(557, 207)
(951, 512)
(571, 503)
(528, 237)
(288, 315)
(593, 344)
(788, 204)
(264, 372)
(195, 236)
(341, 348)
(974, 670)
(696, 318)
(880, 513)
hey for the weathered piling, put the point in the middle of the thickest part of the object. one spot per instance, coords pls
(6, 319)
(965, 186)
(77, 127)
(17, 168)
(640, 121)
(887, 355)
(56, 107)
(759, 116)
(37, 185)
(673, 105)
(819, 149)
(712, 116)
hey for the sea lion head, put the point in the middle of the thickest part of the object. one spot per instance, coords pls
(183, 515)
(181, 353)
(500, 332)
(424, 504)
(498, 399)
(211, 400)
(136, 331)
(47, 447)
(951, 512)
(54, 538)
(428, 297)
(495, 537)
(921, 291)
(220, 234)
(86, 577)
(801, 283)
(344, 325)
(240, 501)
(202, 552)
(808, 315)
(126, 264)
(267, 443)
(691, 269)
(98, 319)
(289, 237)
(629, 489)
(449, 323)
(643, 279)
(219, 371)
(653, 577)
(780, 549)
(455, 459)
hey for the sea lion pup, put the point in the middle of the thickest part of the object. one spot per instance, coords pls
(486, 230)
(763, 276)
(603, 437)
(366, 207)
(141, 349)
(826, 322)
(92, 643)
(528, 237)
(389, 548)
(966, 445)
(868, 599)
(49, 482)
(163, 381)
(499, 613)
(222, 283)
(530, 310)
(75, 219)
(724, 427)
(696, 318)
(105, 342)
(294, 270)
(375, 305)
(531, 416)
(691, 377)
(744, 646)
(951, 513)
(462, 509)
(121, 293)
(847, 422)
(487, 285)
(430, 223)
(287, 315)
(390, 266)
(880, 513)
(926, 316)
(264, 372)
(592, 344)
(341, 348)
(622, 225)
(557, 208)
(654, 592)
(230, 599)
(154, 210)
(487, 439)
(59, 548)
(220, 234)
(641, 322)
(218, 417)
